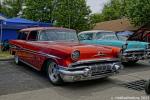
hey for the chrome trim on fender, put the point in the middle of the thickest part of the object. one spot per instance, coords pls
(35, 52)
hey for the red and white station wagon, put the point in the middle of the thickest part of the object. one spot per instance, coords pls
(58, 52)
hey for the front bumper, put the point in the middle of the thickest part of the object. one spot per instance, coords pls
(148, 53)
(89, 72)
(135, 55)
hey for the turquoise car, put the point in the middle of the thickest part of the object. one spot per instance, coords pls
(131, 52)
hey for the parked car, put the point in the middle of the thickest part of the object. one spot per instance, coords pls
(142, 35)
(132, 51)
(147, 87)
(58, 52)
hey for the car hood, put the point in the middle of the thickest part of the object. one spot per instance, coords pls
(86, 51)
(117, 43)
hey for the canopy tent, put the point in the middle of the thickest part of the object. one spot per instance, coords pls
(9, 27)
(2, 17)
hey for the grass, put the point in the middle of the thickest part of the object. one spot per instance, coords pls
(5, 55)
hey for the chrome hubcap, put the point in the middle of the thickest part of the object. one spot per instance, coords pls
(16, 59)
(53, 75)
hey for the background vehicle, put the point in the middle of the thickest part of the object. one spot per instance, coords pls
(142, 35)
(58, 52)
(132, 51)
(147, 87)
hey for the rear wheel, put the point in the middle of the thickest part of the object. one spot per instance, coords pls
(147, 87)
(52, 73)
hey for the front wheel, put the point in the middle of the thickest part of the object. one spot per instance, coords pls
(147, 87)
(52, 73)
(16, 58)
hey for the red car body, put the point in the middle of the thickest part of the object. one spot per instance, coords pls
(72, 58)
(141, 34)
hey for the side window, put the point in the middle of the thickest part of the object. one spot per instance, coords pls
(86, 36)
(33, 36)
(43, 36)
(22, 35)
(81, 37)
(109, 37)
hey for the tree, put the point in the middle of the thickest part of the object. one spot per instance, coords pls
(114, 10)
(11, 8)
(39, 10)
(73, 14)
(97, 17)
(138, 11)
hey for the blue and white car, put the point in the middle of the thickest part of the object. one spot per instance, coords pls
(132, 51)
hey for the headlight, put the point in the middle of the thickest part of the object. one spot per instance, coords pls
(125, 46)
(75, 55)
(148, 46)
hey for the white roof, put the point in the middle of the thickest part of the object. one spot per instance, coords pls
(95, 31)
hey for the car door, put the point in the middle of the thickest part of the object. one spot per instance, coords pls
(20, 45)
(30, 49)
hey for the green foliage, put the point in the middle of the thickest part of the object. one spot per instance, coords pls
(115, 9)
(38, 10)
(73, 14)
(97, 17)
(11, 8)
(138, 11)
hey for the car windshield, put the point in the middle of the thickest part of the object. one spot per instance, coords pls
(58, 35)
(106, 36)
(122, 37)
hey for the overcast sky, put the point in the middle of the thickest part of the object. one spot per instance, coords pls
(96, 5)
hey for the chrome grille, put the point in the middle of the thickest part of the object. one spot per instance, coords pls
(101, 73)
(101, 67)
(134, 53)
(97, 69)
(95, 63)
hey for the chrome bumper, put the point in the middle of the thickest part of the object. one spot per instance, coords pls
(87, 73)
(135, 55)
(148, 53)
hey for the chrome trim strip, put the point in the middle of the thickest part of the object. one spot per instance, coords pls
(94, 61)
(35, 52)
(29, 64)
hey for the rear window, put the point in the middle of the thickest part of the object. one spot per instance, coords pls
(22, 35)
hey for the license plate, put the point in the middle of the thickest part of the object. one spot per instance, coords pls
(100, 68)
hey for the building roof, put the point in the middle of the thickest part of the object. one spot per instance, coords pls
(116, 25)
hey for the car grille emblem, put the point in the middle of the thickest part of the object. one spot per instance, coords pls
(100, 54)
